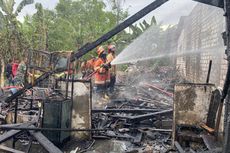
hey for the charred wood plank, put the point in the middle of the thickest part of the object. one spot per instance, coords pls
(211, 142)
(7, 135)
(49, 129)
(207, 128)
(11, 125)
(179, 148)
(124, 110)
(138, 106)
(213, 107)
(156, 130)
(138, 138)
(143, 117)
(9, 150)
(49, 146)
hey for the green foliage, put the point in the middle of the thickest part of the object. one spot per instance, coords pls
(72, 24)
(12, 42)
(22, 5)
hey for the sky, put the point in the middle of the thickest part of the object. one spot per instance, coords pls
(168, 13)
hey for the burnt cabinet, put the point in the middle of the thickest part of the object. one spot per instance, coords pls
(57, 114)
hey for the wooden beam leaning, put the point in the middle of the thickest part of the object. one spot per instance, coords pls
(9, 150)
(7, 135)
(48, 145)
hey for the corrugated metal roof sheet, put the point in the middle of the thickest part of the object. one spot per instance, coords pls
(217, 3)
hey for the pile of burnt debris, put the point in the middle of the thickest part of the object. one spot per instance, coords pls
(140, 122)
(140, 113)
(146, 113)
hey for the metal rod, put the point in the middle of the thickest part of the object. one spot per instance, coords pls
(71, 110)
(74, 80)
(159, 89)
(72, 90)
(209, 71)
(91, 102)
(31, 100)
(68, 80)
(16, 111)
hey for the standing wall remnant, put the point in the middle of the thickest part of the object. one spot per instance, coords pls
(200, 41)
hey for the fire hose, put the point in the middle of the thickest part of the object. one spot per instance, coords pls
(87, 78)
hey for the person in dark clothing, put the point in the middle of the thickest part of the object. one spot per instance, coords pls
(9, 74)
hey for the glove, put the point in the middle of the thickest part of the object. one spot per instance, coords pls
(105, 66)
(109, 65)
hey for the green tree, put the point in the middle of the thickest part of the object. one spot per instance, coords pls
(36, 28)
(72, 24)
(11, 40)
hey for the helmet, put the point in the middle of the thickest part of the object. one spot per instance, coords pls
(100, 50)
(111, 48)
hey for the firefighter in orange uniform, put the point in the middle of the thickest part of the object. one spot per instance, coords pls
(111, 56)
(101, 70)
(87, 67)
(90, 64)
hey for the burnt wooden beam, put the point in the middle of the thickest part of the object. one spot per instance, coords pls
(7, 135)
(9, 150)
(155, 130)
(143, 117)
(179, 148)
(124, 110)
(47, 144)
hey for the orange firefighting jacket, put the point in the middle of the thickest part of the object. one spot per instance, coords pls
(110, 58)
(90, 64)
(101, 73)
(87, 67)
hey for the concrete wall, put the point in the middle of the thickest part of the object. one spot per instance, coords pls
(200, 32)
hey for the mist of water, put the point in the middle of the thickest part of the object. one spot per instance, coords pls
(147, 46)
(125, 59)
